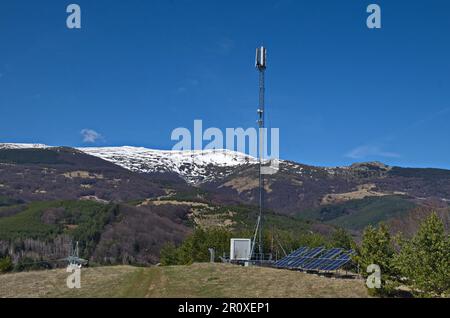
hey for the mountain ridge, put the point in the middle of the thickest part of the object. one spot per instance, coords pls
(34, 178)
(194, 166)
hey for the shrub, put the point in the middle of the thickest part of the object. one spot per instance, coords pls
(6, 264)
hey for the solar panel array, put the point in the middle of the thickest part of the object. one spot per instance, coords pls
(318, 259)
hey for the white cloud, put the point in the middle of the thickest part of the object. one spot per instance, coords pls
(370, 151)
(90, 136)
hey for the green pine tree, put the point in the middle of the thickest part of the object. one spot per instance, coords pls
(341, 238)
(169, 255)
(377, 248)
(425, 259)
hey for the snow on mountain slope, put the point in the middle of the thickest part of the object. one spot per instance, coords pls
(22, 146)
(195, 166)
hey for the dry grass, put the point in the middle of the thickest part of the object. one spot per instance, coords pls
(173, 202)
(363, 191)
(198, 280)
(243, 184)
(83, 175)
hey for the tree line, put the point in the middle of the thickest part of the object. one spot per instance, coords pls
(420, 264)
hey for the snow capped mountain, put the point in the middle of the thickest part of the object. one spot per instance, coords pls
(199, 166)
(22, 146)
(195, 166)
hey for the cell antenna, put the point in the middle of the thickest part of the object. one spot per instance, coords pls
(261, 65)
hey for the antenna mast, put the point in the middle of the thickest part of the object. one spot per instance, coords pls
(261, 64)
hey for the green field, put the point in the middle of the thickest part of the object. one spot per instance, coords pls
(197, 280)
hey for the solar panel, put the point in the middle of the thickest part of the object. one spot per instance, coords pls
(290, 260)
(313, 252)
(323, 263)
(335, 265)
(301, 262)
(283, 260)
(291, 257)
(311, 263)
(287, 261)
(338, 263)
(307, 257)
(324, 258)
(300, 251)
(280, 261)
(331, 253)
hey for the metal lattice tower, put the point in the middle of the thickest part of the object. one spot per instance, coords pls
(261, 64)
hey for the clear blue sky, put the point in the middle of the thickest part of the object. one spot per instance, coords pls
(338, 91)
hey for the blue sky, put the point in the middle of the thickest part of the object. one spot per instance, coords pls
(339, 92)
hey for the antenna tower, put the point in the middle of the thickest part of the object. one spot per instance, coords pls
(261, 65)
